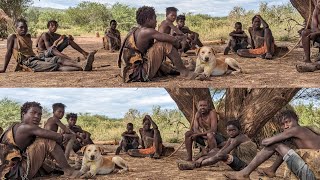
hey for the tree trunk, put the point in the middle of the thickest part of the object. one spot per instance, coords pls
(253, 107)
(303, 7)
(187, 98)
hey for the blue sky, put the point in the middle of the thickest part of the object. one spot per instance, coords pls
(211, 7)
(112, 102)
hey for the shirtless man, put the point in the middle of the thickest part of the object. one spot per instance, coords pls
(204, 128)
(303, 162)
(167, 26)
(262, 41)
(20, 46)
(238, 39)
(130, 140)
(309, 35)
(28, 146)
(192, 37)
(52, 44)
(151, 140)
(238, 151)
(112, 38)
(143, 58)
(54, 122)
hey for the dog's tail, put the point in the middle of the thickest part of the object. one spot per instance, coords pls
(232, 63)
(121, 163)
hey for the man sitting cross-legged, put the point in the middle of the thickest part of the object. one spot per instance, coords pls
(304, 162)
(238, 151)
(204, 128)
(144, 51)
(130, 140)
(20, 46)
(25, 146)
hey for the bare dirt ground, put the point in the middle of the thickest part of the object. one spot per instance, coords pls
(166, 168)
(259, 73)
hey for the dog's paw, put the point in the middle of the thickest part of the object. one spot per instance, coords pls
(202, 77)
(88, 175)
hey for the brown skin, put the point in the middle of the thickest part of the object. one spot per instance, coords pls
(22, 29)
(28, 130)
(311, 34)
(83, 137)
(302, 137)
(193, 37)
(44, 42)
(204, 116)
(236, 138)
(154, 133)
(264, 32)
(238, 32)
(110, 35)
(167, 25)
(146, 35)
(129, 133)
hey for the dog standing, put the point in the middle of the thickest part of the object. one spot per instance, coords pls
(209, 65)
(93, 163)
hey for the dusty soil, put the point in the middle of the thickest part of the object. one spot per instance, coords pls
(166, 168)
(258, 72)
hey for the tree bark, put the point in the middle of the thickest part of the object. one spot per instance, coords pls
(252, 107)
(187, 99)
(303, 7)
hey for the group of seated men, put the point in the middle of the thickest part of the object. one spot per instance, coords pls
(24, 146)
(242, 155)
(144, 49)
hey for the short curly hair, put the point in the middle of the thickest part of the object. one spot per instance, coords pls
(55, 106)
(236, 123)
(287, 114)
(52, 22)
(71, 115)
(144, 13)
(26, 106)
(170, 9)
(181, 17)
(20, 20)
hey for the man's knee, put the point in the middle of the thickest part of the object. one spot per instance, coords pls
(305, 32)
(188, 134)
(210, 136)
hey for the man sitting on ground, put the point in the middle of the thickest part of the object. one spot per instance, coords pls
(192, 37)
(304, 162)
(51, 44)
(308, 35)
(83, 137)
(112, 38)
(20, 45)
(262, 41)
(151, 140)
(27, 146)
(238, 39)
(130, 140)
(238, 151)
(144, 58)
(53, 123)
(204, 128)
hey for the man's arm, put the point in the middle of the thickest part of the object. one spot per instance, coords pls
(251, 37)
(163, 37)
(213, 123)
(63, 127)
(10, 46)
(34, 130)
(289, 133)
(135, 135)
(46, 40)
(110, 35)
(142, 142)
(244, 35)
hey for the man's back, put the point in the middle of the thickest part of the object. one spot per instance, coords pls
(305, 138)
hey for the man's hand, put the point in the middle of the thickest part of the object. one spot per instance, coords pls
(266, 142)
(194, 136)
(314, 34)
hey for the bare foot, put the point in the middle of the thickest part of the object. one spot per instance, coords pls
(88, 63)
(236, 175)
(156, 156)
(186, 165)
(306, 68)
(268, 56)
(266, 172)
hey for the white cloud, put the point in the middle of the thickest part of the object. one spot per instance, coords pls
(112, 102)
(211, 7)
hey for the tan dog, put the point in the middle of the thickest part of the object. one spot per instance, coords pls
(93, 163)
(209, 65)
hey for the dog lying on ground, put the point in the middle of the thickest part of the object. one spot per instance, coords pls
(207, 64)
(93, 163)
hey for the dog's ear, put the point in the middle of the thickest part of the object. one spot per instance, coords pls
(214, 52)
(83, 149)
(101, 149)
(198, 50)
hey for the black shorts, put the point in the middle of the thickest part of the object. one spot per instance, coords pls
(237, 164)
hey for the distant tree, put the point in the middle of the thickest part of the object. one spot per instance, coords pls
(15, 8)
(124, 15)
